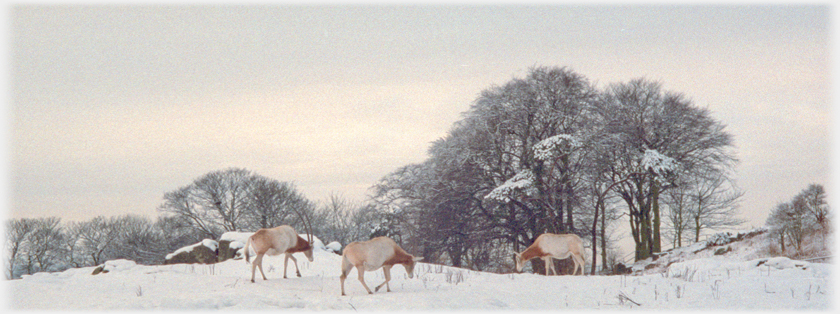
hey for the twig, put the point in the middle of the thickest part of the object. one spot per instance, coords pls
(622, 297)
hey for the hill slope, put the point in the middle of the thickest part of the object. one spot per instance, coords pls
(707, 282)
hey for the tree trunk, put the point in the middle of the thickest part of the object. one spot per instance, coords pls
(604, 237)
(657, 242)
(595, 238)
(696, 228)
(782, 241)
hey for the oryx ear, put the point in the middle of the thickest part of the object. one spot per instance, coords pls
(417, 258)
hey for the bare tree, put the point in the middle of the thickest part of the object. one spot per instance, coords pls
(138, 240)
(17, 231)
(182, 204)
(800, 221)
(44, 245)
(237, 199)
(213, 203)
(779, 223)
(223, 195)
(714, 202)
(336, 215)
(272, 203)
(679, 218)
(97, 237)
(71, 246)
(177, 232)
(812, 199)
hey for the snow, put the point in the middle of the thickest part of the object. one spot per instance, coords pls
(658, 163)
(522, 181)
(235, 236)
(548, 148)
(334, 247)
(697, 281)
(211, 244)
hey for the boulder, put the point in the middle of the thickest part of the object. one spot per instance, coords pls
(620, 269)
(230, 243)
(333, 247)
(203, 252)
(99, 270)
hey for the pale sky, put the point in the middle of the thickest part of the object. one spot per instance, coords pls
(111, 107)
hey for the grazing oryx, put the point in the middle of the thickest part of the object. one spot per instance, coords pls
(276, 241)
(549, 245)
(373, 254)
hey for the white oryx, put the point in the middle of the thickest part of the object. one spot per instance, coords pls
(275, 241)
(373, 254)
(548, 246)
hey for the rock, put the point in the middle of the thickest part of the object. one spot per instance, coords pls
(228, 249)
(334, 247)
(204, 252)
(99, 270)
(620, 269)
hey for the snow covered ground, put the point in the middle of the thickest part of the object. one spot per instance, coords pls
(711, 282)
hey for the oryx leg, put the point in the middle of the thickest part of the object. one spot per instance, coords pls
(253, 269)
(387, 270)
(286, 264)
(257, 263)
(549, 265)
(578, 261)
(361, 269)
(345, 270)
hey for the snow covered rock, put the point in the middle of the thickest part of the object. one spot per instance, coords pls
(316, 243)
(334, 247)
(203, 252)
(230, 244)
(782, 262)
(118, 265)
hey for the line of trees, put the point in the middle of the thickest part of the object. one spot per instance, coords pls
(549, 152)
(47, 244)
(233, 199)
(552, 153)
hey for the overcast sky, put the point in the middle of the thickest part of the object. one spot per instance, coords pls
(111, 107)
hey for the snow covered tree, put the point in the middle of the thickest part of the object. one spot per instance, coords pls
(545, 153)
(656, 137)
(537, 129)
(516, 156)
